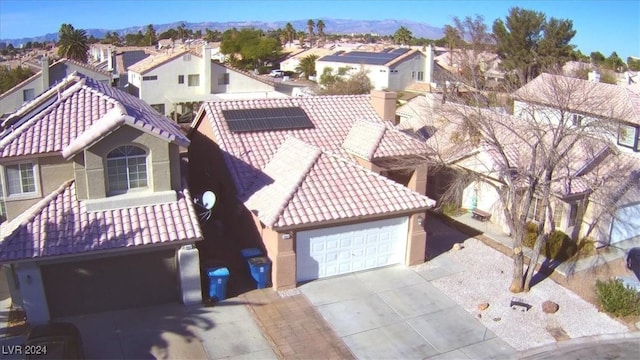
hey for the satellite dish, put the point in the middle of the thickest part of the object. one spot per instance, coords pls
(208, 200)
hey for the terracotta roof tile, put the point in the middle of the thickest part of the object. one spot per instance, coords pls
(79, 116)
(587, 97)
(324, 187)
(259, 162)
(59, 224)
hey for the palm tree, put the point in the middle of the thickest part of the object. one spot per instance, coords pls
(307, 66)
(402, 36)
(320, 27)
(310, 26)
(452, 39)
(290, 31)
(73, 43)
(301, 37)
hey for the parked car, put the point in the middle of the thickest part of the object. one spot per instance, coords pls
(54, 341)
(276, 73)
(633, 261)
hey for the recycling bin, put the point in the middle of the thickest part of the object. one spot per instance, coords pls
(218, 278)
(251, 252)
(260, 267)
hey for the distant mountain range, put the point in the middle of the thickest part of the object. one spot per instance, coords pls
(332, 26)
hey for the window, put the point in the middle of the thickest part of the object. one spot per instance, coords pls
(159, 108)
(536, 210)
(627, 136)
(28, 94)
(126, 169)
(186, 57)
(413, 74)
(573, 214)
(151, 77)
(194, 80)
(180, 79)
(223, 79)
(21, 179)
(558, 212)
(576, 119)
(420, 76)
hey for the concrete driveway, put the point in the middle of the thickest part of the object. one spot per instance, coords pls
(394, 312)
(173, 332)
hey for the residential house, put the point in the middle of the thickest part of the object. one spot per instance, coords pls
(174, 81)
(291, 63)
(583, 101)
(552, 97)
(119, 61)
(98, 216)
(390, 69)
(595, 193)
(324, 184)
(50, 74)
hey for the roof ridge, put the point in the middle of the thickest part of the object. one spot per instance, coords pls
(28, 215)
(304, 174)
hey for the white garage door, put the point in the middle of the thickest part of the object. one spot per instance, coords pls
(344, 249)
(626, 224)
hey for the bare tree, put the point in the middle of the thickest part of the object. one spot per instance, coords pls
(534, 159)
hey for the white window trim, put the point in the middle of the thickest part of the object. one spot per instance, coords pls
(129, 190)
(22, 196)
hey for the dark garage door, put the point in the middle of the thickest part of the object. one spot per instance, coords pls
(111, 283)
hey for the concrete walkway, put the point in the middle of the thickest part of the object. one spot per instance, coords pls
(394, 313)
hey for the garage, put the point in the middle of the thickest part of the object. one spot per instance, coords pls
(625, 224)
(344, 249)
(111, 283)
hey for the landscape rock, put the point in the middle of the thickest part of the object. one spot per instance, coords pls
(550, 307)
(457, 247)
(483, 306)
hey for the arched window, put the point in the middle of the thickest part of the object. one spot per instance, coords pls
(126, 169)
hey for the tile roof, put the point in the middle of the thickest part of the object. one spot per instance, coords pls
(591, 98)
(59, 224)
(153, 61)
(303, 184)
(81, 115)
(363, 139)
(332, 116)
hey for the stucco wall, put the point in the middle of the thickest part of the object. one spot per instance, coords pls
(159, 167)
(11, 100)
(238, 82)
(52, 172)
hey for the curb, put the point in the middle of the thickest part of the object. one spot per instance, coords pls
(599, 339)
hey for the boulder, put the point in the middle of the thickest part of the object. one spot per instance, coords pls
(457, 247)
(483, 306)
(550, 307)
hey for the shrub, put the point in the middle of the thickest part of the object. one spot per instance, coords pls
(559, 246)
(451, 209)
(586, 247)
(617, 299)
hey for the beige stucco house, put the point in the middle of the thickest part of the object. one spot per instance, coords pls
(324, 184)
(173, 81)
(95, 212)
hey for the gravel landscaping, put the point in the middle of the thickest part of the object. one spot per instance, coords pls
(478, 274)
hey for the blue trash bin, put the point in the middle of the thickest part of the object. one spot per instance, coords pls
(218, 278)
(260, 267)
(249, 253)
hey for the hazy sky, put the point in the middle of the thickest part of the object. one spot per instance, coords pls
(603, 26)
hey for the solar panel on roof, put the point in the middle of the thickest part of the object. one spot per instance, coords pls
(363, 57)
(267, 119)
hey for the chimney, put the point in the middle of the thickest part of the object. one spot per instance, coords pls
(45, 73)
(111, 60)
(594, 76)
(384, 103)
(205, 82)
(428, 68)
